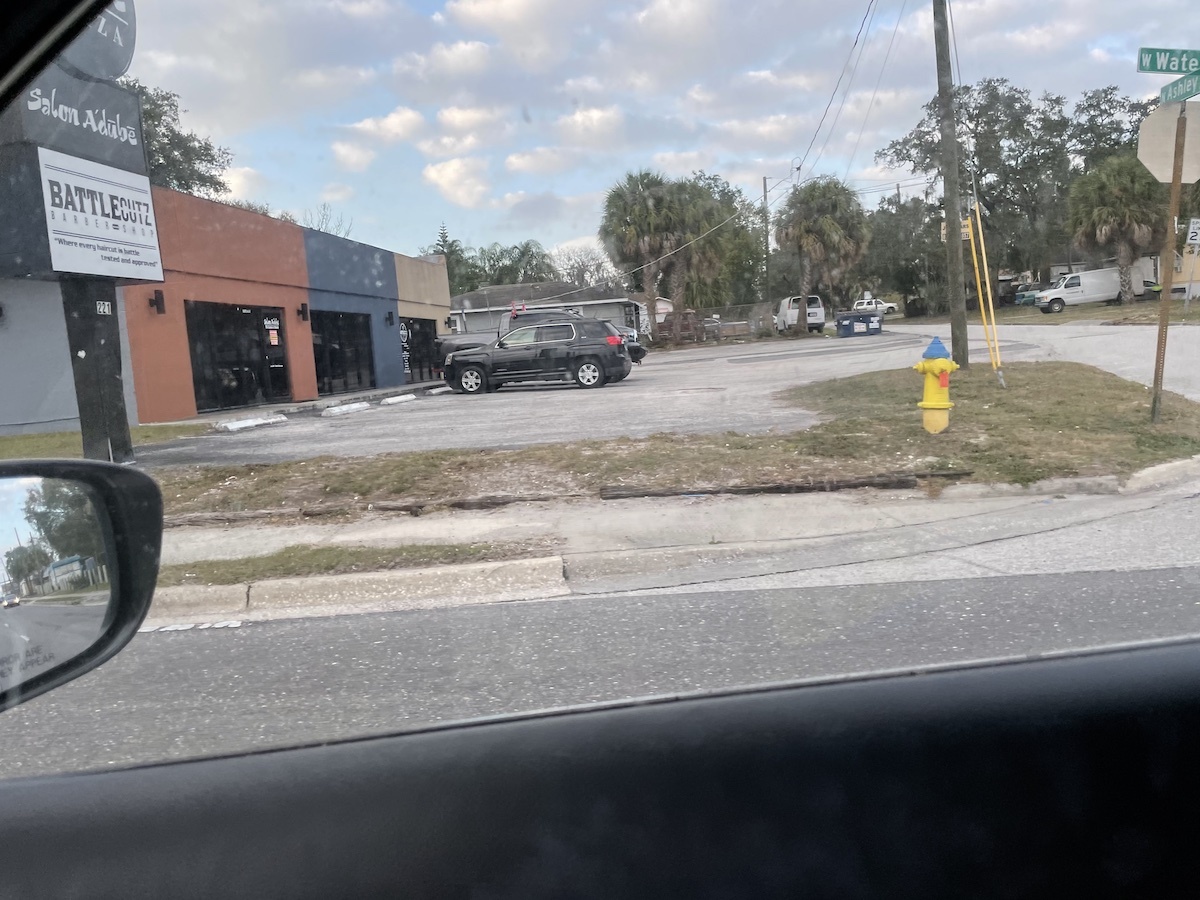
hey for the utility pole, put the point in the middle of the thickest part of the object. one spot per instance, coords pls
(766, 291)
(1168, 254)
(897, 196)
(953, 207)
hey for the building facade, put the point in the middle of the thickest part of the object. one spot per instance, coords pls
(251, 310)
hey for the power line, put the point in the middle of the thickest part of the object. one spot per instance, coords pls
(861, 25)
(871, 105)
(872, 9)
(868, 14)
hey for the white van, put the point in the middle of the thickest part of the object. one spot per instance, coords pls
(788, 316)
(1098, 285)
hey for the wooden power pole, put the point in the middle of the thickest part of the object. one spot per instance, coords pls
(952, 203)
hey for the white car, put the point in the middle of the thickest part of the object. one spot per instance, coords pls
(875, 305)
(9, 600)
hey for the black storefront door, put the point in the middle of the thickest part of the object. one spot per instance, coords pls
(342, 352)
(418, 337)
(239, 357)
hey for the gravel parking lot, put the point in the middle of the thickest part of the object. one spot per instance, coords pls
(702, 390)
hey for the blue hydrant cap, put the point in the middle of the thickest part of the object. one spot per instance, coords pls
(936, 350)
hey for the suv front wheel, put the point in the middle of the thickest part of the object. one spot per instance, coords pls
(472, 380)
(588, 373)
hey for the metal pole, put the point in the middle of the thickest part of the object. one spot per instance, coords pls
(954, 249)
(1187, 297)
(987, 280)
(766, 291)
(1167, 257)
(979, 289)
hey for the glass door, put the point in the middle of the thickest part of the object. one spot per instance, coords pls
(239, 356)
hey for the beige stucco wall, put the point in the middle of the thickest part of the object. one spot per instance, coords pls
(424, 288)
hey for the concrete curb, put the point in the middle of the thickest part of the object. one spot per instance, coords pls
(1163, 475)
(234, 425)
(1094, 484)
(435, 587)
(399, 398)
(345, 409)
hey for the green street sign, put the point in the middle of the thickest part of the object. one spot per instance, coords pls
(1180, 89)
(1168, 62)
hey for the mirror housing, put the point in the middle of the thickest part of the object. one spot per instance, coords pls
(128, 508)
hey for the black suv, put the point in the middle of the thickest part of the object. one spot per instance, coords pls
(586, 351)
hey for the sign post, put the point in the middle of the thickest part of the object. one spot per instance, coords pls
(1152, 151)
(1193, 241)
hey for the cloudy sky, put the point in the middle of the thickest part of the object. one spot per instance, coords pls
(508, 119)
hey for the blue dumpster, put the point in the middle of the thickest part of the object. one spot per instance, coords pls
(854, 324)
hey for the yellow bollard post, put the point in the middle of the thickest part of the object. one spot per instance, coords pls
(936, 365)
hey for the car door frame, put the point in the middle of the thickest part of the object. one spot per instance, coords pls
(517, 363)
(554, 355)
(1073, 296)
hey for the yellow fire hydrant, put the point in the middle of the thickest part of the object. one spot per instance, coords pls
(936, 365)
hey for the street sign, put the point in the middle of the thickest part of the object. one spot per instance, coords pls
(1168, 62)
(1156, 142)
(1180, 89)
(1193, 236)
(964, 230)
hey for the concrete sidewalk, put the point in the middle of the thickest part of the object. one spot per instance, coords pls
(856, 537)
(307, 407)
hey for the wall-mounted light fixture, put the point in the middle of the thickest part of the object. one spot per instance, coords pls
(158, 303)
(390, 319)
(302, 312)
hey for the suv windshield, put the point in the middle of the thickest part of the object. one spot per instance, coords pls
(267, 253)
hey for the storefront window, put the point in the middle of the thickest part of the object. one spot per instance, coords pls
(239, 355)
(342, 352)
(418, 337)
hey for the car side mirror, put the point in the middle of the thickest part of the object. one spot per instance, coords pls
(500, 344)
(79, 547)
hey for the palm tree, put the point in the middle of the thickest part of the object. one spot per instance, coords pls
(692, 215)
(461, 270)
(1121, 208)
(825, 222)
(634, 230)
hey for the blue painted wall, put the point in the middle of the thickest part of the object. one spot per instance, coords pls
(346, 276)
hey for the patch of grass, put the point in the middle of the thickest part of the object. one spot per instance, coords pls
(68, 445)
(1144, 312)
(303, 560)
(1053, 419)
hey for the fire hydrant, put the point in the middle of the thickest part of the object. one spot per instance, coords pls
(936, 365)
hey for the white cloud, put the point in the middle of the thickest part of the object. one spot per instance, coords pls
(336, 77)
(536, 33)
(540, 161)
(401, 124)
(1045, 36)
(462, 181)
(244, 182)
(361, 9)
(793, 81)
(683, 162)
(592, 124)
(587, 84)
(352, 157)
(461, 59)
(449, 145)
(335, 192)
(775, 130)
(471, 118)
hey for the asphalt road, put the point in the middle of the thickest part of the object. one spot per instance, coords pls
(36, 636)
(216, 690)
(703, 390)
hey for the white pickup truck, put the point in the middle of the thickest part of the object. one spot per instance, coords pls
(874, 305)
